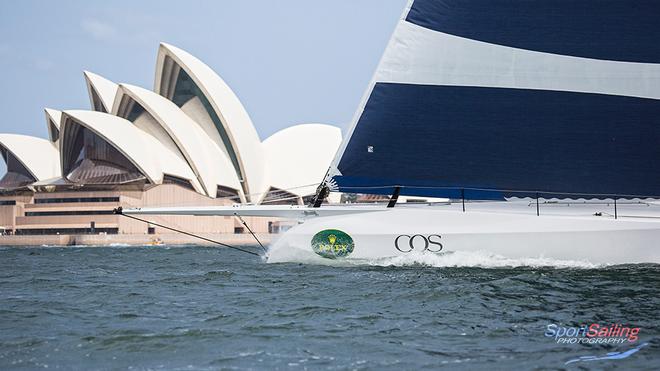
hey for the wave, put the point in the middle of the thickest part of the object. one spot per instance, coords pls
(478, 259)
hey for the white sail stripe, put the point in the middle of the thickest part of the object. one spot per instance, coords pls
(417, 55)
(333, 169)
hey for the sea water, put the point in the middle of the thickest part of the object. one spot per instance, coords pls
(191, 307)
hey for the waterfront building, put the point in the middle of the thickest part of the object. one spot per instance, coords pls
(189, 141)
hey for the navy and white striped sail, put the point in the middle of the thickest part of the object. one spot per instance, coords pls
(549, 96)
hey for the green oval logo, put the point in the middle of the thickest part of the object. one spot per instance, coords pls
(332, 244)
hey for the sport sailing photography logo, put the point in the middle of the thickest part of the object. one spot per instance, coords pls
(593, 334)
(610, 334)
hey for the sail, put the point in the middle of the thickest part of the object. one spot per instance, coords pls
(489, 98)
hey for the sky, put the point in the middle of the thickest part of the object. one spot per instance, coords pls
(289, 61)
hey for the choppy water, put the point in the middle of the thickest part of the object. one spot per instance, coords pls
(207, 308)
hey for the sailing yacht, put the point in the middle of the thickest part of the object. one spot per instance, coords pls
(539, 121)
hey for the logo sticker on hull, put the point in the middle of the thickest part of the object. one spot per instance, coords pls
(332, 244)
(418, 242)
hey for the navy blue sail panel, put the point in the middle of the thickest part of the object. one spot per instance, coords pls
(439, 139)
(602, 29)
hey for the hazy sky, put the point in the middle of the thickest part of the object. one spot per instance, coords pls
(289, 61)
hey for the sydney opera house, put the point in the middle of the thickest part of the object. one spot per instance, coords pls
(190, 141)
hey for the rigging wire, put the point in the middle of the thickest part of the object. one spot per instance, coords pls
(119, 211)
(236, 199)
(250, 230)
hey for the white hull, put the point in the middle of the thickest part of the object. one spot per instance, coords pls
(511, 230)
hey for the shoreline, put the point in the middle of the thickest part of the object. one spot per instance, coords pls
(133, 240)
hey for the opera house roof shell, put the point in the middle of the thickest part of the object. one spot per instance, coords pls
(191, 130)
